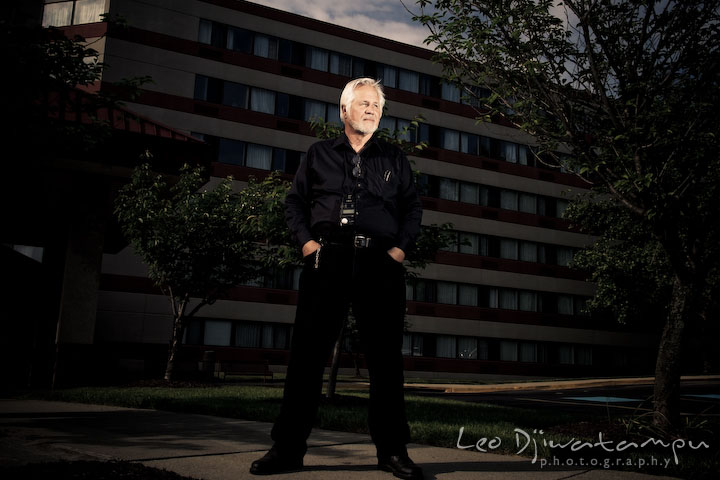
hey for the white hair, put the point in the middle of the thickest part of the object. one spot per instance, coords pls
(348, 93)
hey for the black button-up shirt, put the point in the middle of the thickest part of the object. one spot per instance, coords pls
(386, 202)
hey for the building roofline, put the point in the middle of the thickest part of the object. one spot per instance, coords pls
(324, 27)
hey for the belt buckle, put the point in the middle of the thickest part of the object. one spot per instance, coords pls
(361, 241)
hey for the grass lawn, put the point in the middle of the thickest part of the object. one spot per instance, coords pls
(433, 420)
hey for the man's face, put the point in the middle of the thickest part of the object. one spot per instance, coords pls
(363, 114)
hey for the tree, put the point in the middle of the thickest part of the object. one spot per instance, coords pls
(627, 266)
(630, 89)
(198, 241)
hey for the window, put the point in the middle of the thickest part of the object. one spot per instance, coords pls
(528, 203)
(358, 67)
(508, 200)
(265, 46)
(449, 189)
(583, 355)
(278, 159)
(447, 293)
(388, 122)
(528, 252)
(527, 301)
(61, 14)
(388, 75)
(281, 337)
(241, 40)
(234, 95)
(581, 306)
(469, 243)
(565, 354)
(194, 332)
(450, 92)
(88, 11)
(259, 156)
(565, 304)
(508, 249)
(266, 337)
(528, 352)
(523, 157)
(205, 32)
(450, 139)
(508, 351)
(508, 152)
(564, 256)
(508, 299)
(208, 89)
(475, 96)
(333, 113)
(314, 110)
(404, 132)
(428, 85)
(57, 14)
(231, 151)
(262, 100)
(468, 295)
(483, 350)
(469, 143)
(491, 297)
(317, 58)
(247, 335)
(445, 346)
(424, 291)
(217, 332)
(470, 193)
(412, 344)
(560, 207)
(340, 64)
(409, 81)
(467, 348)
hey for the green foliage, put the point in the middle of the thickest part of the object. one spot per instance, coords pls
(53, 67)
(630, 272)
(630, 88)
(199, 241)
(431, 239)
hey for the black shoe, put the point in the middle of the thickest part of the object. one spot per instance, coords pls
(275, 462)
(401, 466)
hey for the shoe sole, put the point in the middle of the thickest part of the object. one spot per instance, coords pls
(386, 468)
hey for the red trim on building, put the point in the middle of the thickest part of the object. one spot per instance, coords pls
(86, 30)
(505, 265)
(490, 213)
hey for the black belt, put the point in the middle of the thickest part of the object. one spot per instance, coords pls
(357, 241)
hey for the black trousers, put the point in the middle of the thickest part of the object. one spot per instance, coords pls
(374, 284)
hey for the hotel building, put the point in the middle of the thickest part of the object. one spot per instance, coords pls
(246, 80)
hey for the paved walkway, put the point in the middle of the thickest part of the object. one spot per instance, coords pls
(214, 448)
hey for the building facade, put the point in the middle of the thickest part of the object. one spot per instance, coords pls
(247, 80)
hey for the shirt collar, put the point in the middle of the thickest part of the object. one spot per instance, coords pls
(342, 140)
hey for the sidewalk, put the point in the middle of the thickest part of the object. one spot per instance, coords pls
(215, 448)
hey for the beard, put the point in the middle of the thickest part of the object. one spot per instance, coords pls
(362, 128)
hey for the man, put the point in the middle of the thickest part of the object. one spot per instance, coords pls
(354, 210)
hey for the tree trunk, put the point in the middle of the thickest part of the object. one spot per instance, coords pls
(335, 365)
(666, 414)
(177, 335)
